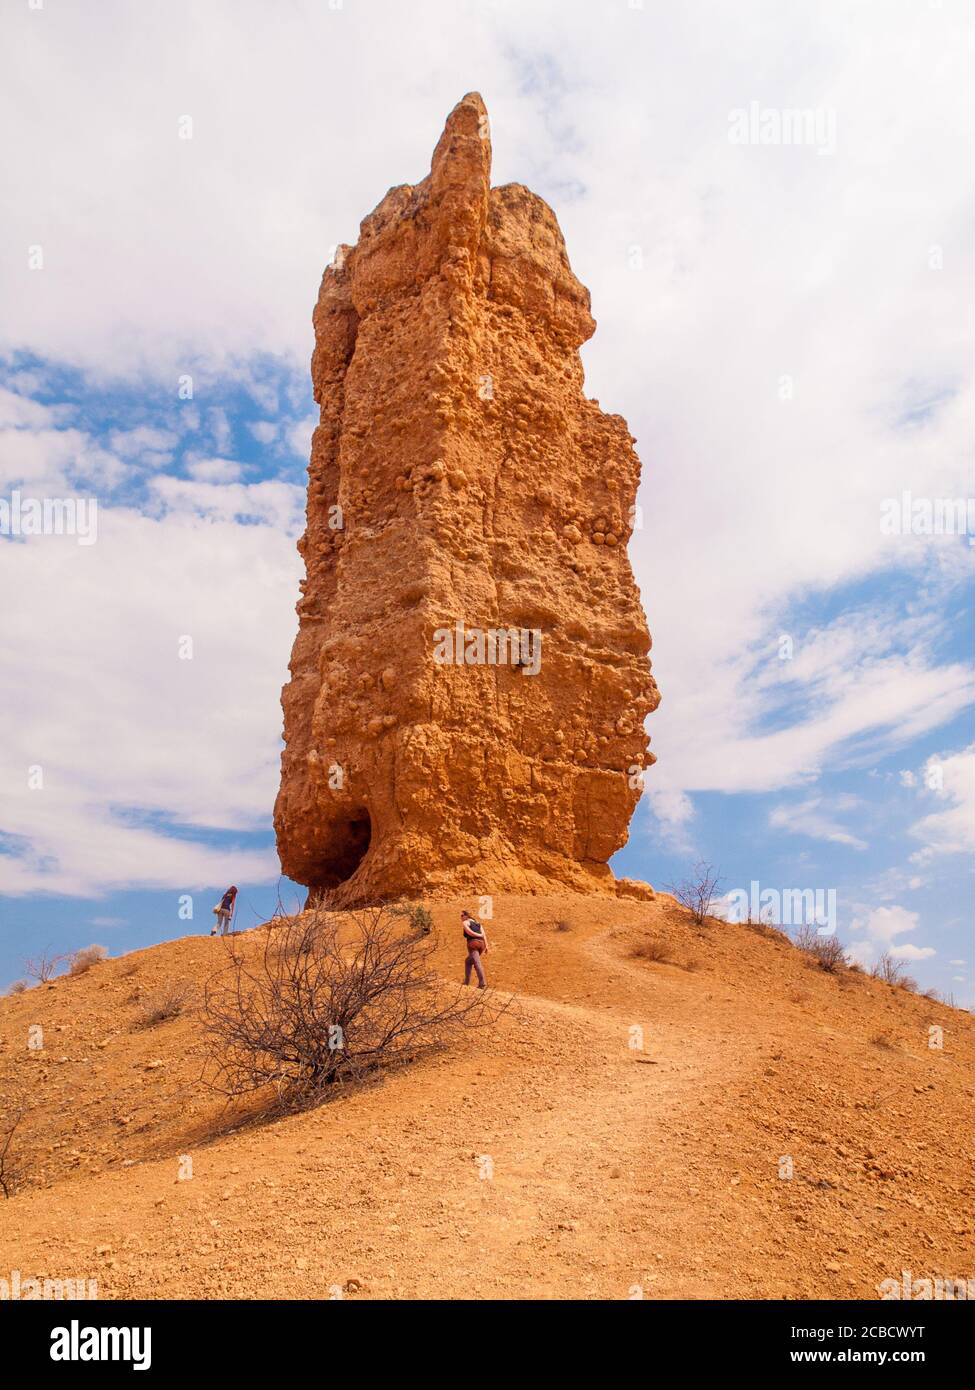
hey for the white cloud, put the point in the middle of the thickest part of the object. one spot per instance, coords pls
(952, 830)
(264, 431)
(878, 929)
(137, 747)
(145, 445)
(276, 504)
(673, 810)
(219, 425)
(909, 952)
(215, 470)
(299, 436)
(813, 817)
(884, 923)
(21, 412)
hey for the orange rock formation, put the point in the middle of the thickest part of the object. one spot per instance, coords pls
(470, 678)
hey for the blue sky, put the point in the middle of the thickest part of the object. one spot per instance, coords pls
(782, 325)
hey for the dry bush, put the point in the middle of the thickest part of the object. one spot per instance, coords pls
(417, 915)
(83, 960)
(825, 952)
(163, 1004)
(45, 966)
(698, 893)
(331, 999)
(893, 973)
(768, 932)
(18, 987)
(14, 1113)
(652, 948)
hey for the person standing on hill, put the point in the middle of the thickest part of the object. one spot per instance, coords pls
(225, 911)
(475, 938)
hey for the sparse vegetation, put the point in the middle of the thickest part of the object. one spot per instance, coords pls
(654, 948)
(884, 1040)
(890, 970)
(768, 931)
(11, 1161)
(418, 916)
(332, 998)
(164, 1004)
(18, 987)
(699, 892)
(83, 960)
(826, 952)
(45, 966)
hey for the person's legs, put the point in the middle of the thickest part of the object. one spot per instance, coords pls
(467, 967)
(474, 957)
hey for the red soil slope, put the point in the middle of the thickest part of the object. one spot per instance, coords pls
(547, 1158)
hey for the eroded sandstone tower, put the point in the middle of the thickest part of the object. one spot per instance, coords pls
(468, 513)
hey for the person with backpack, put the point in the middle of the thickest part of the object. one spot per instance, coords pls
(475, 939)
(225, 911)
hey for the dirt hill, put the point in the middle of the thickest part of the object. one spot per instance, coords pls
(551, 1157)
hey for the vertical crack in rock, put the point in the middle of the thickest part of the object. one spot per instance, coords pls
(462, 492)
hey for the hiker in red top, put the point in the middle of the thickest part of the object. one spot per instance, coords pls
(475, 938)
(225, 911)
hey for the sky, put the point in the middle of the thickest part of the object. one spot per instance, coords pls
(773, 208)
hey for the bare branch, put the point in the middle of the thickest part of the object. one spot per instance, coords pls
(331, 998)
(698, 893)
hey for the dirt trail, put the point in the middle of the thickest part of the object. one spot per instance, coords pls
(622, 1129)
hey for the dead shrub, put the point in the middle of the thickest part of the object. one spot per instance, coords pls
(768, 932)
(654, 948)
(890, 970)
(825, 952)
(18, 987)
(83, 960)
(45, 966)
(163, 1004)
(331, 999)
(12, 1161)
(698, 893)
